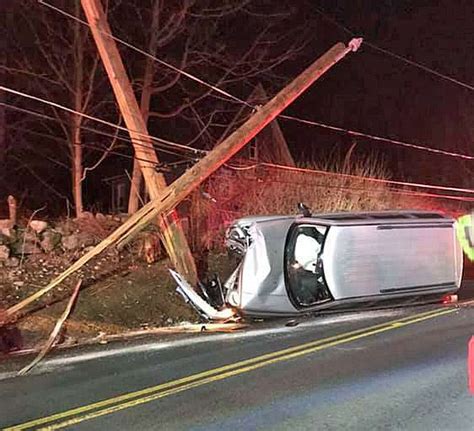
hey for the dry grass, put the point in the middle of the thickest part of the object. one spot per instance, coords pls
(269, 190)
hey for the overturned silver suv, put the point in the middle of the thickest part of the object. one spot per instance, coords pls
(291, 265)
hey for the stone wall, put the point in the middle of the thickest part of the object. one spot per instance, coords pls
(45, 237)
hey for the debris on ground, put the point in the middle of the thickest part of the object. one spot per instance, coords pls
(120, 293)
(55, 333)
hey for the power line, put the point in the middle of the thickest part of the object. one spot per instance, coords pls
(421, 66)
(379, 138)
(100, 132)
(239, 168)
(158, 141)
(95, 148)
(394, 55)
(216, 89)
(344, 187)
(85, 145)
(379, 180)
(267, 164)
(185, 147)
(147, 54)
(99, 120)
(231, 96)
(300, 120)
(90, 146)
(90, 129)
(253, 166)
(389, 190)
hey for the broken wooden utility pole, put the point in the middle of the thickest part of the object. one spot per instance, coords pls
(173, 235)
(192, 178)
(184, 185)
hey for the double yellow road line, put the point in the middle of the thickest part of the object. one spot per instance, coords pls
(132, 399)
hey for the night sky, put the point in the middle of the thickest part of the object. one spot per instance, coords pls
(374, 93)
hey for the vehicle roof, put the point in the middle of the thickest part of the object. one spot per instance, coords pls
(346, 218)
(351, 218)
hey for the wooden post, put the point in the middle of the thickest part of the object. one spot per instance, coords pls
(3, 130)
(173, 235)
(12, 210)
(184, 185)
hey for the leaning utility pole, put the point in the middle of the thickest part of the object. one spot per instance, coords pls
(184, 185)
(172, 233)
(263, 116)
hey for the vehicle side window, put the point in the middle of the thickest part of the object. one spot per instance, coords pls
(303, 266)
(308, 245)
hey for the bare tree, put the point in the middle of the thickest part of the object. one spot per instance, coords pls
(59, 63)
(199, 37)
(57, 60)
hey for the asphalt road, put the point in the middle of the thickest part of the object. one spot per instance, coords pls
(402, 369)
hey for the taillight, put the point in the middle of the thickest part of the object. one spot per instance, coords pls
(449, 299)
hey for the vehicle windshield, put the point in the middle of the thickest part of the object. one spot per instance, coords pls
(303, 265)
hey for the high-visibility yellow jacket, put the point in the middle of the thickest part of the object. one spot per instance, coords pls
(465, 233)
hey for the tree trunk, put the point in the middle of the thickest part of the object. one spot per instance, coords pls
(137, 176)
(135, 187)
(77, 165)
(76, 120)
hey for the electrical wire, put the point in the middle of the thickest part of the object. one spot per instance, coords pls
(99, 120)
(421, 66)
(300, 120)
(370, 179)
(244, 102)
(181, 147)
(301, 169)
(379, 138)
(83, 144)
(378, 180)
(388, 190)
(157, 145)
(101, 150)
(245, 168)
(394, 55)
(240, 168)
(90, 129)
(147, 54)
